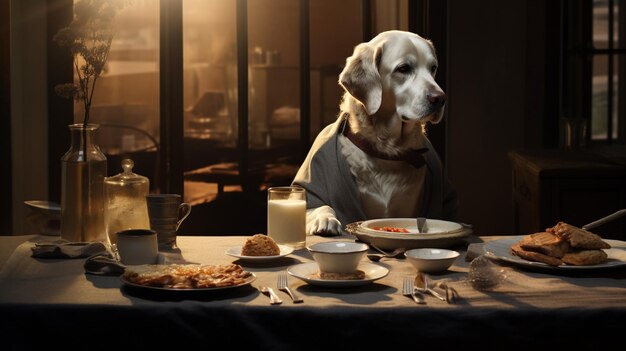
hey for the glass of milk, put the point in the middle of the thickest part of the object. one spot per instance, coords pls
(286, 215)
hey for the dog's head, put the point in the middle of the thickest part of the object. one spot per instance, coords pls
(394, 73)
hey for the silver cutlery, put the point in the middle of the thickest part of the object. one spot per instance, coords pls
(422, 285)
(604, 220)
(283, 285)
(396, 253)
(274, 299)
(421, 225)
(409, 290)
(377, 257)
(451, 294)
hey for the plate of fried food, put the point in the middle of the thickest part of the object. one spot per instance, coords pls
(187, 277)
(562, 247)
(259, 247)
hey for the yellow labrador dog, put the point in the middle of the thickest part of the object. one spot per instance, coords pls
(375, 161)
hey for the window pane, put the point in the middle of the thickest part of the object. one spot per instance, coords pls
(616, 94)
(600, 24)
(616, 24)
(599, 107)
(126, 97)
(209, 91)
(274, 75)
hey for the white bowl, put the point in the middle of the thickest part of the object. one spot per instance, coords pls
(338, 256)
(431, 260)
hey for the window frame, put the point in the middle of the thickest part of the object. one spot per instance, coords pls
(576, 81)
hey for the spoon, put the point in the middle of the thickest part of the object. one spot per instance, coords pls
(422, 285)
(274, 299)
(377, 257)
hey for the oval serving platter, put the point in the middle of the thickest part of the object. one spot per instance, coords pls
(391, 240)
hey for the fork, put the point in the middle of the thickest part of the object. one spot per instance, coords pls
(397, 253)
(283, 285)
(409, 290)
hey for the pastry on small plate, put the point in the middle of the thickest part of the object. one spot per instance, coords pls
(260, 245)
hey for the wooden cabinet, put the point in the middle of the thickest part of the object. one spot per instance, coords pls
(575, 187)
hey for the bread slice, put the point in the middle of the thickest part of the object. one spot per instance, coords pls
(535, 256)
(545, 243)
(578, 238)
(585, 257)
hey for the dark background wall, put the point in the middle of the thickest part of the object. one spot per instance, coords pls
(496, 62)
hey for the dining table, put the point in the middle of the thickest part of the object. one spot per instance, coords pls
(55, 303)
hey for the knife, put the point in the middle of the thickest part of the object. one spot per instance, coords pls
(421, 225)
(421, 284)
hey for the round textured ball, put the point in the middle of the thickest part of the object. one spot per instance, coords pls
(484, 274)
(338, 256)
(431, 260)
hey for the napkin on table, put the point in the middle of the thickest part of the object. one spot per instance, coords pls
(103, 264)
(65, 249)
(100, 260)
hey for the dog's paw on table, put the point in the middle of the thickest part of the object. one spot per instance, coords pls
(326, 233)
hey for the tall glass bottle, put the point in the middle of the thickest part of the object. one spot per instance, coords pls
(83, 169)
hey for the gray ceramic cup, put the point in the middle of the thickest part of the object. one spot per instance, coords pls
(137, 246)
(166, 212)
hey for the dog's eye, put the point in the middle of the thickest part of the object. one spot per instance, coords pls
(433, 69)
(403, 68)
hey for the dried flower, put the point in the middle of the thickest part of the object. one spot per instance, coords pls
(89, 38)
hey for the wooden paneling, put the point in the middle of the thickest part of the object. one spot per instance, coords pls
(575, 187)
(5, 117)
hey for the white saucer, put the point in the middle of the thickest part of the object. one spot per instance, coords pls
(235, 251)
(45, 207)
(303, 271)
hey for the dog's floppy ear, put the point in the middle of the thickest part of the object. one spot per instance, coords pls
(360, 77)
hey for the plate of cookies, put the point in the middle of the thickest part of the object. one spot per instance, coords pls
(259, 247)
(562, 247)
(187, 277)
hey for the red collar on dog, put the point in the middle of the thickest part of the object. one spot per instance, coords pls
(414, 157)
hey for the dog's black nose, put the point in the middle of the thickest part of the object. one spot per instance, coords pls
(438, 99)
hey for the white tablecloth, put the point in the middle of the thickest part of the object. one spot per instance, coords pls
(53, 297)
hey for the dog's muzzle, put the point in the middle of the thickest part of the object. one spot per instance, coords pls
(431, 111)
(437, 99)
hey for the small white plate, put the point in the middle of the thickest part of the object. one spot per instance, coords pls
(304, 271)
(235, 251)
(433, 226)
(45, 207)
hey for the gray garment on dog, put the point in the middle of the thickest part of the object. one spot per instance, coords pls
(325, 174)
